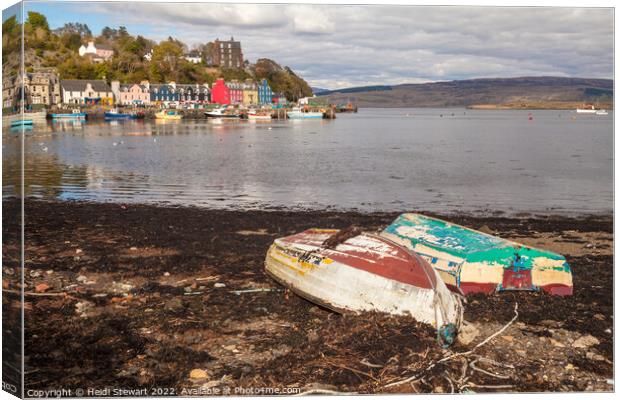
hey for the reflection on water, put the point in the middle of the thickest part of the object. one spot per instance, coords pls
(394, 159)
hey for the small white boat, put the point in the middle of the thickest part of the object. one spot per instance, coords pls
(601, 112)
(259, 117)
(587, 110)
(363, 273)
(298, 113)
(222, 112)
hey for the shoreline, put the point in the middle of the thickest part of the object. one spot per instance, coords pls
(472, 214)
(140, 296)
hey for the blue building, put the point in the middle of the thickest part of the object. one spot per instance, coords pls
(164, 92)
(265, 94)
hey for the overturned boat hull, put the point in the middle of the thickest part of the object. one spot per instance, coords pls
(472, 262)
(364, 273)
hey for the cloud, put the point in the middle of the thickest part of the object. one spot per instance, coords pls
(341, 45)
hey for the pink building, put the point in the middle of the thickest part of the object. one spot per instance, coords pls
(98, 52)
(236, 92)
(132, 94)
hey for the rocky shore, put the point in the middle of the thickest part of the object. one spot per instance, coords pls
(175, 301)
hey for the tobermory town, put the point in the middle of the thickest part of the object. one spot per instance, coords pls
(204, 199)
(73, 75)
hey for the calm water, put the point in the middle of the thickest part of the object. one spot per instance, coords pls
(446, 160)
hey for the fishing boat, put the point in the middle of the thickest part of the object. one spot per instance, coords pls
(363, 273)
(74, 114)
(222, 112)
(601, 112)
(259, 116)
(589, 109)
(168, 115)
(115, 114)
(298, 113)
(470, 261)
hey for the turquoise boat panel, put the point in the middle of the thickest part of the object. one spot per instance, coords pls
(470, 245)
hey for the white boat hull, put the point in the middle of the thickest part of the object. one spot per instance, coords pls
(343, 287)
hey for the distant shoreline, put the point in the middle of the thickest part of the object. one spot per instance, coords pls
(536, 106)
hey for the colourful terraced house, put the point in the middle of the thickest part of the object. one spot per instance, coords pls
(164, 93)
(265, 94)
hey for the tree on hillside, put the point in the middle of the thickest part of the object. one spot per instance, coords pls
(37, 20)
(37, 33)
(107, 32)
(206, 51)
(71, 40)
(167, 56)
(10, 40)
(73, 27)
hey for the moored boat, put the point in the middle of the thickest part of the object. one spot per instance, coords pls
(222, 112)
(74, 114)
(601, 112)
(589, 109)
(363, 273)
(168, 115)
(21, 122)
(298, 113)
(470, 261)
(259, 117)
(115, 114)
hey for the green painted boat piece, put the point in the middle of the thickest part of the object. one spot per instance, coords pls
(457, 251)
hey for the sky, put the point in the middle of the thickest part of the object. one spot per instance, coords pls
(337, 46)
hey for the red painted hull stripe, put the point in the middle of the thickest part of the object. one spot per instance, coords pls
(399, 264)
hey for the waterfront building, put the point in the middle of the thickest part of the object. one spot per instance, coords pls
(227, 53)
(86, 91)
(164, 93)
(41, 89)
(132, 94)
(98, 52)
(193, 93)
(250, 93)
(265, 94)
(220, 93)
(280, 99)
(236, 92)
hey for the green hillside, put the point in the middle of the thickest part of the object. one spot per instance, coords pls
(58, 48)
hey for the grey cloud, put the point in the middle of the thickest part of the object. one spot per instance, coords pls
(337, 46)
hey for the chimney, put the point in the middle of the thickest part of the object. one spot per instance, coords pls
(116, 86)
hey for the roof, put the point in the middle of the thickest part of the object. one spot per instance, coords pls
(130, 85)
(103, 47)
(79, 85)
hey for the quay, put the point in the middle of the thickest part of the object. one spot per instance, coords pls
(98, 112)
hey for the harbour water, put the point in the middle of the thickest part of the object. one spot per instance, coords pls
(441, 160)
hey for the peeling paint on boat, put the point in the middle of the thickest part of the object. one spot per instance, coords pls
(364, 273)
(471, 261)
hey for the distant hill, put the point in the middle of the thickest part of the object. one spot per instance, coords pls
(524, 92)
(318, 90)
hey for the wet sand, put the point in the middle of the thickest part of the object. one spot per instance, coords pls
(136, 296)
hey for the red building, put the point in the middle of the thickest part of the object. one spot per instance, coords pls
(236, 92)
(220, 93)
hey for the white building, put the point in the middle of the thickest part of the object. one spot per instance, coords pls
(84, 91)
(194, 59)
(99, 52)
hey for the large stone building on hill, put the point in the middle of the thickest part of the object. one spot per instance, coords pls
(227, 53)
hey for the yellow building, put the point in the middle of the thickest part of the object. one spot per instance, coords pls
(250, 93)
